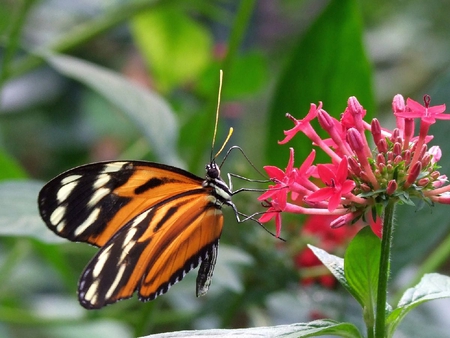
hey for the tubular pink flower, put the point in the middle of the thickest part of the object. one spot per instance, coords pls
(355, 109)
(443, 199)
(408, 132)
(330, 125)
(426, 113)
(304, 173)
(359, 180)
(398, 106)
(344, 220)
(284, 180)
(303, 125)
(273, 212)
(440, 181)
(336, 183)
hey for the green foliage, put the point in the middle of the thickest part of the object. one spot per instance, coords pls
(173, 118)
(327, 64)
(312, 329)
(165, 37)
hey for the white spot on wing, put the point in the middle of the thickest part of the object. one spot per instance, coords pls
(126, 249)
(102, 258)
(60, 226)
(113, 167)
(91, 294)
(57, 215)
(140, 218)
(116, 281)
(65, 191)
(70, 179)
(102, 179)
(97, 196)
(91, 219)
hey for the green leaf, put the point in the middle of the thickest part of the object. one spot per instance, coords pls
(362, 261)
(334, 263)
(328, 64)
(19, 214)
(431, 286)
(10, 169)
(150, 112)
(311, 329)
(247, 75)
(176, 48)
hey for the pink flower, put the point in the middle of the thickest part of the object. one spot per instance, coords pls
(301, 125)
(336, 183)
(359, 178)
(273, 212)
(426, 113)
(283, 180)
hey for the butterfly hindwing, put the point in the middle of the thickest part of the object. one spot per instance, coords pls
(91, 202)
(155, 250)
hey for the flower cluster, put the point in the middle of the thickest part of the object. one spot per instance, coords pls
(362, 175)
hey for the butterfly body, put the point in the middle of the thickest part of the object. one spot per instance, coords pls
(153, 223)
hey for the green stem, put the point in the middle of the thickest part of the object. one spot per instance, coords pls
(383, 276)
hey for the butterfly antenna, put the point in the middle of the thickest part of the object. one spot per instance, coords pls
(217, 114)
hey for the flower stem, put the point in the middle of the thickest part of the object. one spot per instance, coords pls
(383, 275)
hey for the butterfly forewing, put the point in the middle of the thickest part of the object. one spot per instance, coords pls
(90, 203)
(154, 250)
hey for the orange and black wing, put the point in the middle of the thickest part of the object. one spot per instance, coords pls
(153, 222)
(155, 250)
(91, 203)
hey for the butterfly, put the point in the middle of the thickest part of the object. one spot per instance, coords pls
(153, 223)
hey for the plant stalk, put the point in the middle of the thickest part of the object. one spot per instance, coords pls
(383, 275)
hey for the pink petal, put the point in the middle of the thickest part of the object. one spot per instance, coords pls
(321, 195)
(274, 172)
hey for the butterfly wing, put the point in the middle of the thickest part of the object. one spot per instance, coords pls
(91, 203)
(155, 250)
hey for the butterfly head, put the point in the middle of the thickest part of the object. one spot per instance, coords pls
(212, 170)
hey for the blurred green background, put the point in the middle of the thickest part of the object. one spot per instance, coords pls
(85, 81)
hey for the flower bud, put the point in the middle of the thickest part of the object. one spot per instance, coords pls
(413, 174)
(376, 131)
(354, 166)
(391, 187)
(382, 146)
(398, 159)
(355, 141)
(426, 160)
(436, 152)
(397, 149)
(325, 120)
(381, 159)
(423, 182)
(398, 104)
(407, 156)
